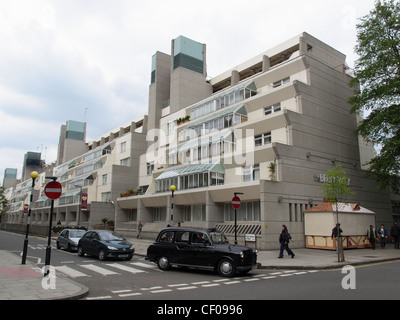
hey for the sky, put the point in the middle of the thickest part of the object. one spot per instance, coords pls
(90, 60)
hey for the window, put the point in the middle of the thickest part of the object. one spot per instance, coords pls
(149, 168)
(262, 139)
(248, 211)
(123, 147)
(106, 197)
(223, 100)
(104, 179)
(159, 214)
(251, 173)
(167, 236)
(199, 212)
(182, 236)
(274, 108)
(125, 162)
(280, 82)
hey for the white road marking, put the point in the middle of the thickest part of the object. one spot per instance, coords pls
(125, 268)
(71, 272)
(102, 271)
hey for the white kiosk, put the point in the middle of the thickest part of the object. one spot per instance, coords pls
(354, 221)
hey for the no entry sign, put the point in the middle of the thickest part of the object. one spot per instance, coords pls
(53, 190)
(236, 202)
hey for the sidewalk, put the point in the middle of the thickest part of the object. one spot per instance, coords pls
(26, 282)
(305, 258)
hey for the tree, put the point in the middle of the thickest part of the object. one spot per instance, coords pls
(377, 83)
(337, 190)
(3, 203)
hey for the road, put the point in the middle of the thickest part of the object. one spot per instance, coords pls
(139, 279)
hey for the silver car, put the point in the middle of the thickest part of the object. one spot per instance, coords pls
(68, 239)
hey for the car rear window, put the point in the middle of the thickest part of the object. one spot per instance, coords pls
(167, 236)
(182, 236)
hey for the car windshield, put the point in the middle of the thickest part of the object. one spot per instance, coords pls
(76, 233)
(110, 236)
(218, 237)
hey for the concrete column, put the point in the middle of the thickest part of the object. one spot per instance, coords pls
(266, 64)
(235, 77)
(214, 211)
(143, 214)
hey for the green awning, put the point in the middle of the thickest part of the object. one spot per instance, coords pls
(186, 170)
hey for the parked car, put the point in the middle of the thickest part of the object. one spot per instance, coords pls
(200, 248)
(105, 244)
(68, 239)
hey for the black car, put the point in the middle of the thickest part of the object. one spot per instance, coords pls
(200, 248)
(105, 244)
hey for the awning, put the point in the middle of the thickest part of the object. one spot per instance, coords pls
(70, 193)
(219, 114)
(192, 169)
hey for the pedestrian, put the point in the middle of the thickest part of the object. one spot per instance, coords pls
(336, 231)
(284, 239)
(139, 228)
(371, 235)
(382, 236)
(395, 234)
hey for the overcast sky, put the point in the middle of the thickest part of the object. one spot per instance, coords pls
(70, 59)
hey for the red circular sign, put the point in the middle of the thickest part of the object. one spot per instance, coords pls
(53, 190)
(236, 202)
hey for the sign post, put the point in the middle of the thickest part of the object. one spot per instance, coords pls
(236, 205)
(53, 191)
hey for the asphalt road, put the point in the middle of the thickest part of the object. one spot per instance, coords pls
(138, 279)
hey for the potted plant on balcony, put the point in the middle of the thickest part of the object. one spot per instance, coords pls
(272, 168)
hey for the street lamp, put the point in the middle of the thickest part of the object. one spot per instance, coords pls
(34, 175)
(172, 188)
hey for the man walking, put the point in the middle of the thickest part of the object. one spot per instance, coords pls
(284, 239)
(383, 236)
(139, 228)
(371, 235)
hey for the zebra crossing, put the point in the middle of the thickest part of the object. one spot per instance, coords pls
(78, 270)
(40, 247)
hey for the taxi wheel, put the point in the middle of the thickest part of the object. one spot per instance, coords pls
(163, 263)
(226, 268)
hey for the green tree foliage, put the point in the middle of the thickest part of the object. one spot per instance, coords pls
(336, 189)
(3, 203)
(377, 82)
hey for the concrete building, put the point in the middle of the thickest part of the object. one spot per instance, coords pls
(270, 128)
(97, 171)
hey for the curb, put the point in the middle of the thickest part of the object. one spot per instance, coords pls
(327, 267)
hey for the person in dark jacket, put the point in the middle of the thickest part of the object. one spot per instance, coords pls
(284, 239)
(372, 235)
(383, 234)
(395, 234)
(336, 231)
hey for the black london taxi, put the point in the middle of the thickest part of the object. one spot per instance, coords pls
(200, 248)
